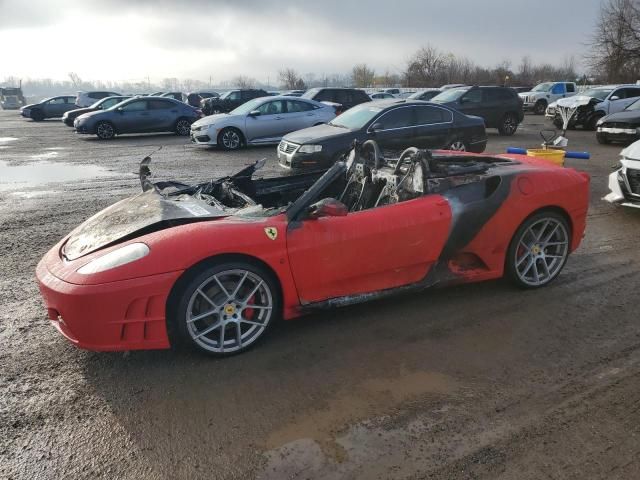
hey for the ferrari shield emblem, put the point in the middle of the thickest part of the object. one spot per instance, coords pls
(272, 232)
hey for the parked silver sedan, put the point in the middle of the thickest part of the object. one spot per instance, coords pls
(260, 121)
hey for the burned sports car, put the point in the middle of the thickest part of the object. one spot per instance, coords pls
(213, 265)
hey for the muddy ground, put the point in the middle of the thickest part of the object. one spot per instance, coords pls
(475, 382)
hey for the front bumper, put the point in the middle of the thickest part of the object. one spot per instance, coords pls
(617, 134)
(203, 137)
(289, 156)
(82, 128)
(623, 190)
(116, 316)
(26, 112)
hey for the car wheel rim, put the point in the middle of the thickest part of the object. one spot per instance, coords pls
(541, 252)
(105, 130)
(509, 124)
(229, 311)
(231, 140)
(183, 127)
(457, 146)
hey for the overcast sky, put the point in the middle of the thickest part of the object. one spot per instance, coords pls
(130, 40)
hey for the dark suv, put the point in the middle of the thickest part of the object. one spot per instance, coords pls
(230, 100)
(346, 97)
(500, 107)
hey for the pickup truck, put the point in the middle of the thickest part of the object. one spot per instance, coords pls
(545, 93)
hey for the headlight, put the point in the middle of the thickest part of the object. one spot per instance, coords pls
(310, 148)
(121, 256)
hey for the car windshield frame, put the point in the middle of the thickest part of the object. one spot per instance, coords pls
(225, 94)
(591, 93)
(450, 95)
(356, 118)
(249, 106)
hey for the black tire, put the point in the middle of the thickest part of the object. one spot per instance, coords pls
(183, 127)
(457, 145)
(189, 298)
(509, 124)
(37, 115)
(105, 130)
(517, 251)
(540, 107)
(230, 139)
(592, 123)
(602, 139)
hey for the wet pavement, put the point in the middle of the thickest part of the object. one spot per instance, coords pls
(479, 381)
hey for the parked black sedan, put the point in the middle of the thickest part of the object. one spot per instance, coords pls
(69, 117)
(394, 124)
(139, 115)
(622, 127)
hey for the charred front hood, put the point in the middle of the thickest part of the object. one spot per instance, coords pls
(137, 215)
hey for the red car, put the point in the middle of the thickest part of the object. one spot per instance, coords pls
(213, 265)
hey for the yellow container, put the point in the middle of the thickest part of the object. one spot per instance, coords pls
(550, 154)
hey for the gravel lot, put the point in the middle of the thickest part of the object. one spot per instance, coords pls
(480, 381)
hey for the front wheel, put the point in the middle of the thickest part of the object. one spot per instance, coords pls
(230, 139)
(183, 127)
(602, 139)
(538, 250)
(105, 131)
(540, 107)
(227, 308)
(37, 115)
(509, 125)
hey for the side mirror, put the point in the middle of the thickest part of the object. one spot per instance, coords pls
(615, 97)
(375, 127)
(254, 113)
(327, 207)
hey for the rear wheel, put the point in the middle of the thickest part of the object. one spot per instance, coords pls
(592, 124)
(183, 127)
(230, 139)
(225, 309)
(602, 139)
(538, 250)
(457, 145)
(105, 131)
(509, 124)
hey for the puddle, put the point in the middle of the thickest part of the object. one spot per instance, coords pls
(360, 402)
(40, 173)
(44, 156)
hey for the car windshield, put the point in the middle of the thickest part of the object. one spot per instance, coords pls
(634, 106)
(356, 117)
(310, 93)
(542, 87)
(225, 94)
(599, 93)
(450, 95)
(247, 107)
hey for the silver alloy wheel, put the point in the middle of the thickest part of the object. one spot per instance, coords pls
(509, 124)
(183, 127)
(458, 146)
(230, 139)
(541, 252)
(229, 311)
(105, 130)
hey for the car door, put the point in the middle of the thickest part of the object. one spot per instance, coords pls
(300, 115)
(369, 250)
(472, 103)
(394, 129)
(69, 104)
(433, 127)
(558, 91)
(269, 124)
(622, 98)
(54, 108)
(134, 117)
(162, 115)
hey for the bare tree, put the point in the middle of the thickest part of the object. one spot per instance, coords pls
(290, 79)
(242, 81)
(615, 44)
(76, 81)
(362, 75)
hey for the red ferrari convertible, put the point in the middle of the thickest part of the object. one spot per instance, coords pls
(213, 265)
